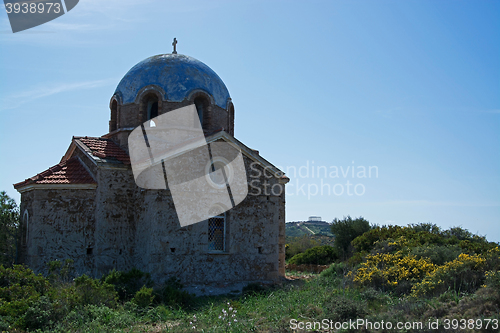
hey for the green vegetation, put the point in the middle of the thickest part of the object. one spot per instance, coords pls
(345, 231)
(298, 245)
(417, 273)
(319, 255)
(299, 229)
(9, 224)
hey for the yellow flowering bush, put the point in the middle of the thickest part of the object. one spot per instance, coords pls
(464, 274)
(418, 235)
(492, 279)
(384, 270)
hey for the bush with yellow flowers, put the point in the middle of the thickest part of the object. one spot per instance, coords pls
(492, 279)
(386, 270)
(464, 274)
(418, 235)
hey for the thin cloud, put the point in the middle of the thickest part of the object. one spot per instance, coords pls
(492, 111)
(109, 8)
(439, 203)
(422, 203)
(17, 99)
(58, 26)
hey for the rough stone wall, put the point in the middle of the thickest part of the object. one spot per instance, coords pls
(254, 229)
(267, 194)
(219, 119)
(61, 225)
(129, 115)
(126, 226)
(116, 215)
(282, 235)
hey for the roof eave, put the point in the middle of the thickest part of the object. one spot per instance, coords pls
(31, 187)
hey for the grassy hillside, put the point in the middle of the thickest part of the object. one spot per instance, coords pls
(298, 229)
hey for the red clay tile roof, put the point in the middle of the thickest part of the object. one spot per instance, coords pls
(68, 172)
(104, 148)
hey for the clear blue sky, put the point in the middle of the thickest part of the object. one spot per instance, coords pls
(410, 87)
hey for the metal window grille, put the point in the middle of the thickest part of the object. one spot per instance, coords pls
(216, 232)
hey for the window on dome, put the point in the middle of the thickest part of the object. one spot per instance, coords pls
(152, 109)
(113, 123)
(150, 106)
(201, 108)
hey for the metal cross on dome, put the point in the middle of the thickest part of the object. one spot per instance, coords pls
(174, 43)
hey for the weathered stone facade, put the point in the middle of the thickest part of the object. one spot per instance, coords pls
(89, 208)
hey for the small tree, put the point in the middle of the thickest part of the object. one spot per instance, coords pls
(345, 231)
(9, 224)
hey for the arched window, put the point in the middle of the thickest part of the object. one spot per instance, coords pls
(113, 123)
(201, 104)
(26, 217)
(152, 109)
(150, 106)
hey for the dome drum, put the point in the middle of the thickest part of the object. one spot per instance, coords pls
(166, 82)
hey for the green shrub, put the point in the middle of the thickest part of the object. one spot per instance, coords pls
(493, 279)
(387, 271)
(171, 294)
(370, 295)
(366, 241)
(458, 233)
(19, 288)
(95, 292)
(128, 283)
(424, 234)
(320, 255)
(476, 246)
(299, 245)
(158, 313)
(143, 297)
(341, 308)
(336, 269)
(22, 276)
(4, 323)
(61, 272)
(464, 274)
(39, 314)
(95, 318)
(438, 255)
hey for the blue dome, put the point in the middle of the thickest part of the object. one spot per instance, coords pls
(178, 75)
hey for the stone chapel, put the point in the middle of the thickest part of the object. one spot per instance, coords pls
(88, 207)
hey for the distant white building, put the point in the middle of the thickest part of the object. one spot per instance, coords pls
(315, 219)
